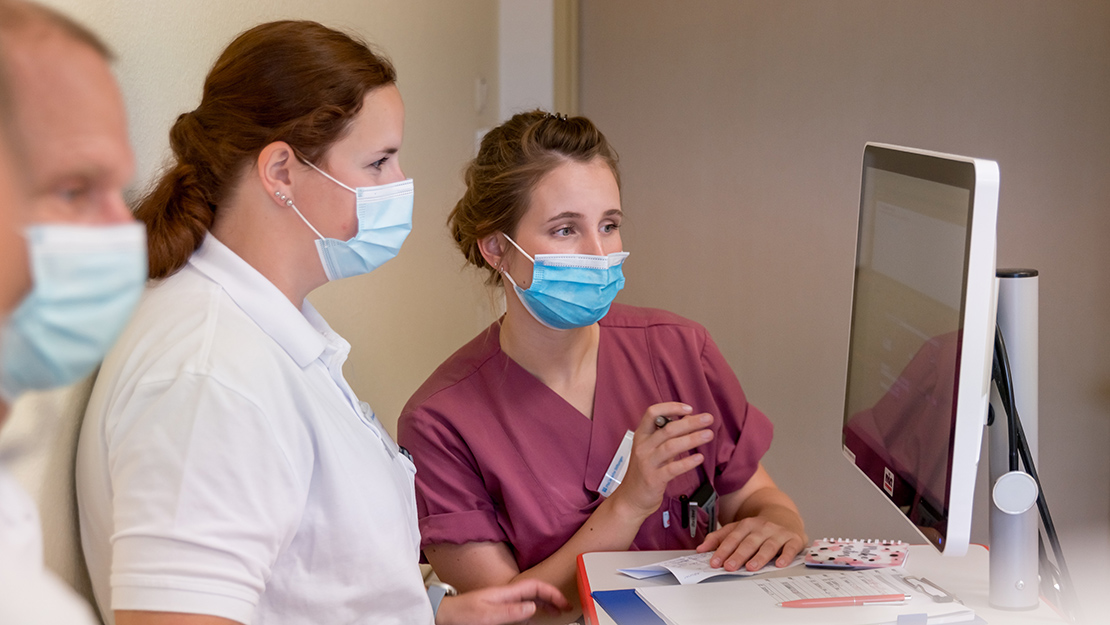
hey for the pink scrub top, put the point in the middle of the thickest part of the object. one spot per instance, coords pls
(501, 457)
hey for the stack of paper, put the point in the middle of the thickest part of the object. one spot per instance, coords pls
(756, 602)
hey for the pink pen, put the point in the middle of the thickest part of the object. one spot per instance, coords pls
(829, 602)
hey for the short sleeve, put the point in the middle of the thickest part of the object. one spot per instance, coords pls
(745, 434)
(451, 497)
(204, 499)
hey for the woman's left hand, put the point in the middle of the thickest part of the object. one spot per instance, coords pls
(514, 603)
(752, 543)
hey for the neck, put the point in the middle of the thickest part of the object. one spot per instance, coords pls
(558, 358)
(276, 243)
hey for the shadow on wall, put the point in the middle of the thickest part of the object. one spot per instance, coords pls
(39, 445)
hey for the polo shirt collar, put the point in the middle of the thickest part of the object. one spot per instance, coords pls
(300, 334)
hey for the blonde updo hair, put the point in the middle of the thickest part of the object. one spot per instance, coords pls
(511, 161)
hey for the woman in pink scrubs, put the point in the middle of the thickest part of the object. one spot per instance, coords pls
(514, 435)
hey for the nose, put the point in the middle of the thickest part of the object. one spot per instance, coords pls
(400, 175)
(114, 209)
(594, 244)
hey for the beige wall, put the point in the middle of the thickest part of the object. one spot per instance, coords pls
(406, 317)
(741, 128)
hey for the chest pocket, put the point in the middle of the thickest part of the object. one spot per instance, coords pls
(679, 491)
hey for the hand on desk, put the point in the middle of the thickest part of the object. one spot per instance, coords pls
(767, 524)
(752, 542)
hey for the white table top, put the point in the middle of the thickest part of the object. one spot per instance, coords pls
(965, 577)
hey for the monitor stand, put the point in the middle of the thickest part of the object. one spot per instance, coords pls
(1014, 551)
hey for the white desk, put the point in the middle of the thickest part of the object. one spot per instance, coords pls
(965, 577)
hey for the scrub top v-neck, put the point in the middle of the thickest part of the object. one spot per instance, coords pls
(501, 457)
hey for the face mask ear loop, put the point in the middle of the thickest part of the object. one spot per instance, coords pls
(296, 210)
(521, 250)
(509, 277)
(327, 175)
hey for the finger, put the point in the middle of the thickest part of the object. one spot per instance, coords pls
(739, 546)
(534, 589)
(685, 426)
(670, 409)
(508, 612)
(790, 550)
(675, 446)
(727, 551)
(549, 609)
(550, 596)
(767, 552)
(527, 590)
(713, 540)
(685, 464)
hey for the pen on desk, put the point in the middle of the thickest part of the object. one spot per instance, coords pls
(830, 602)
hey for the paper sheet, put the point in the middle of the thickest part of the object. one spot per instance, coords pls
(695, 568)
(832, 584)
(757, 601)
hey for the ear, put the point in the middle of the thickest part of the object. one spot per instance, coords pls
(492, 249)
(275, 167)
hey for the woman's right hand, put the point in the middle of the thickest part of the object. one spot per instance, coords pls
(657, 455)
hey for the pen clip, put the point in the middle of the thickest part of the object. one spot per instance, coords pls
(938, 594)
(887, 602)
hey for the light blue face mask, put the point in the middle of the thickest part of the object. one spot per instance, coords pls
(570, 290)
(86, 283)
(384, 222)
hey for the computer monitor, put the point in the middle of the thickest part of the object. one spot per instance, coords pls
(923, 320)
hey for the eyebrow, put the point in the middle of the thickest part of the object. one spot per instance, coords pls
(573, 215)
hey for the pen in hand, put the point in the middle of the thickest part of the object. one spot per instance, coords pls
(830, 602)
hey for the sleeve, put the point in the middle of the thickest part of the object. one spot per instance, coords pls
(452, 501)
(204, 500)
(745, 432)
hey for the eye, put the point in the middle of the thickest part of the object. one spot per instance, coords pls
(378, 164)
(564, 231)
(610, 227)
(74, 192)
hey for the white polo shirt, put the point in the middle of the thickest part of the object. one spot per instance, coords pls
(28, 592)
(225, 467)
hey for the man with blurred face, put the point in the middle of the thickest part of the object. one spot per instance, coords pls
(72, 257)
(85, 253)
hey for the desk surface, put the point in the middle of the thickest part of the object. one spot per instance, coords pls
(965, 577)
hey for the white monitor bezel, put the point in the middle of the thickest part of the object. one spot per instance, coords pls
(978, 323)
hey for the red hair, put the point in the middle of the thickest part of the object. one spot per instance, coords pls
(293, 81)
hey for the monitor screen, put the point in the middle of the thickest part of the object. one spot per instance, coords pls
(922, 321)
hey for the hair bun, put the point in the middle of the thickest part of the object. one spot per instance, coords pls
(511, 160)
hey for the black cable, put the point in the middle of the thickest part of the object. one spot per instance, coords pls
(1019, 446)
(1070, 602)
(1005, 391)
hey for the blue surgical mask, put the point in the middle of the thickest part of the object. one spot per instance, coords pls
(570, 290)
(384, 221)
(86, 283)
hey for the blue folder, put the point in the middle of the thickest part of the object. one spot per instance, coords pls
(626, 607)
